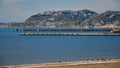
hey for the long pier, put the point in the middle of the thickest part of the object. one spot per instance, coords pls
(68, 34)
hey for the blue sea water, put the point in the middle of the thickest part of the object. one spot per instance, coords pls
(17, 49)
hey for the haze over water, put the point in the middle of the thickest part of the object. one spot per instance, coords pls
(17, 49)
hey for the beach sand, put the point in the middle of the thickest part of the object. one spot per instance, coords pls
(99, 65)
(77, 64)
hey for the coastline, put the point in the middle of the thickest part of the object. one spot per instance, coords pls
(108, 63)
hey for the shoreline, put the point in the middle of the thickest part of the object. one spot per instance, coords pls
(64, 64)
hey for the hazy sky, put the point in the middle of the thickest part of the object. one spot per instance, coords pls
(19, 10)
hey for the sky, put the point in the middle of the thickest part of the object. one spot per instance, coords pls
(20, 10)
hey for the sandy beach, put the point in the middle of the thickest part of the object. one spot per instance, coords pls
(76, 64)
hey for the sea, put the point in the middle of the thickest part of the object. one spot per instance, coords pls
(17, 50)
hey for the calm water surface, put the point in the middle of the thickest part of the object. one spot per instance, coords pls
(17, 49)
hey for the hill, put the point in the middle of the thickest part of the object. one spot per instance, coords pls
(74, 19)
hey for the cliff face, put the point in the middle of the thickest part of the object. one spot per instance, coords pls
(68, 18)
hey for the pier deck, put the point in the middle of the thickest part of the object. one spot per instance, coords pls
(68, 34)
